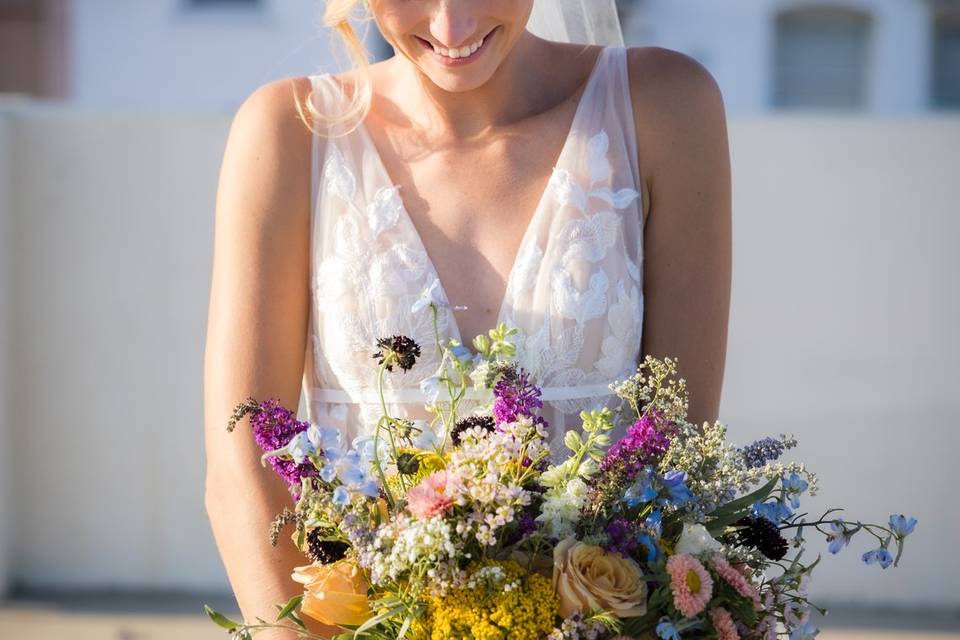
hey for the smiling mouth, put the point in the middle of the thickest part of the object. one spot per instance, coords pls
(465, 53)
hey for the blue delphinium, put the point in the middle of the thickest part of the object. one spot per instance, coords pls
(839, 536)
(793, 487)
(678, 492)
(669, 489)
(666, 630)
(879, 556)
(776, 512)
(901, 525)
(804, 632)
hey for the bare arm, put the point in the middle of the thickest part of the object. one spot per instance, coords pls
(685, 161)
(256, 335)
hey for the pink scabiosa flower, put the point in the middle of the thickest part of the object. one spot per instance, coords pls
(724, 624)
(430, 497)
(735, 579)
(690, 583)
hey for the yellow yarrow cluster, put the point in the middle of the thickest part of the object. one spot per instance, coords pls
(526, 612)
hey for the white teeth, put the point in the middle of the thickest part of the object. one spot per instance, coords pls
(462, 52)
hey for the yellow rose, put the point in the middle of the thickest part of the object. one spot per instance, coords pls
(334, 593)
(587, 577)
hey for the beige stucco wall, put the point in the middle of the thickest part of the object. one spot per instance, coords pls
(843, 331)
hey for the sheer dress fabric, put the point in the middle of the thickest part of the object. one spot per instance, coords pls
(574, 292)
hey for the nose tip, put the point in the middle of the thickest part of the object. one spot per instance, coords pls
(452, 25)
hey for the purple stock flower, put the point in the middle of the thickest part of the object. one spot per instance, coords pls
(642, 444)
(273, 427)
(622, 536)
(516, 396)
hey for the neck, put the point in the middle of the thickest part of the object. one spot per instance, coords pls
(520, 86)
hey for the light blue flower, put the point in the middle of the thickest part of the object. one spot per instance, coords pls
(299, 448)
(341, 497)
(461, 353)
(646, 541)
(794, 486)
(654, 523)
(901, 525)
(666, 630)
(323, 438)
(776, 512)
(430, 387)
(804, 632)
(641, 491)
(879, 556)
(329, 472)
(678, 492)
(839, 536)
(426, 436)
(432, 295)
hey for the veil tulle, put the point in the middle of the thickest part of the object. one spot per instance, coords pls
(580, 21)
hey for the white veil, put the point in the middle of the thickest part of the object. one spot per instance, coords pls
(580, 21)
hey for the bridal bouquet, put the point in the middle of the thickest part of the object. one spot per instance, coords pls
(464, 526)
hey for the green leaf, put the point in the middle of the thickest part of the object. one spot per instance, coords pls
(220, 619)
(288, 608)
(735, 506)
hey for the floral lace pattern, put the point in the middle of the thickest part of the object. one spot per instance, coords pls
(575, 291)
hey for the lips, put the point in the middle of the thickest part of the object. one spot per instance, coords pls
(451, 61)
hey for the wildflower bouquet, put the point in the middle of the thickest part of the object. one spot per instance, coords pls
(463, 526)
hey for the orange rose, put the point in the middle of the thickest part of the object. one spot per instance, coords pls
(334, 593)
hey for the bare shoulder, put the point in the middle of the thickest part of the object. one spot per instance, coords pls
(266, 165)
(270, 114)
(664, 82)
(678, 109)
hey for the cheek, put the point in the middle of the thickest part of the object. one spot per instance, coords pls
(396, 19)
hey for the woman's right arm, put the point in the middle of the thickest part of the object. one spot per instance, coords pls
(256, 335)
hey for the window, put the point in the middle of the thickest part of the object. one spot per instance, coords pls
(946, 61)
(821, 59)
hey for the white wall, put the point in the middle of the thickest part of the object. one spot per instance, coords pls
(843, 331)
(163, 54)
(735, 40)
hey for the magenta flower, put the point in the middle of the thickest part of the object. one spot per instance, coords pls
(273, 427)
(644, 443)
(516, 396)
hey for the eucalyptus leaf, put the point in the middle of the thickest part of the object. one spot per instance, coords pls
(220, 619)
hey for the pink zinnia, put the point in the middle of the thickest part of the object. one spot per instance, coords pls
(723, 623)
(691, 584)
(736, 580)
(430, 497)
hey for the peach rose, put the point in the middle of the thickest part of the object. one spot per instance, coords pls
(334, 593)
(587, 577)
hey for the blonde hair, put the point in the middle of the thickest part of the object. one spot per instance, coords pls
(337, 16)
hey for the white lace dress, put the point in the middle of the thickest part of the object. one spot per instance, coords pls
(575, 290)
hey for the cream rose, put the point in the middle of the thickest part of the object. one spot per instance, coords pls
(587, 577)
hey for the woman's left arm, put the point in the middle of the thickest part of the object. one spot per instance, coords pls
(685, 166)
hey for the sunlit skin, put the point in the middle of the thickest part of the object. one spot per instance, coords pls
(472, 147)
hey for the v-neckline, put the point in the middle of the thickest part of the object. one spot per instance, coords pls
(454, 326)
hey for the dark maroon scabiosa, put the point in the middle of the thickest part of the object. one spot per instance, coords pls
(484, 422)
(325, 551)
(761, 534)
(397, 350)
(273, 427)
(515, 395)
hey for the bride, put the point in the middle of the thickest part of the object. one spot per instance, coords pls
(578, 192)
